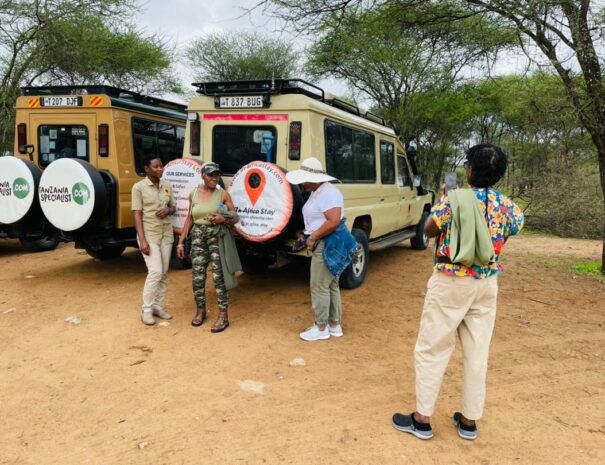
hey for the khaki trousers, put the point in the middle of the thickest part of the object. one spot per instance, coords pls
(157, 263)
(462, 305)
(325, 291)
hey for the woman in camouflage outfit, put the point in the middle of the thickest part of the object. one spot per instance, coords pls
(210, 207)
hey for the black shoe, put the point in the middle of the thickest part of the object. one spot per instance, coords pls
(464, 431)
(407, 424)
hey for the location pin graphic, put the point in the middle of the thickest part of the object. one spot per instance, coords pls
(255, 184)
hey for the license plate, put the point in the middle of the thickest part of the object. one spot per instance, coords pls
(65, 101)
(247, 101)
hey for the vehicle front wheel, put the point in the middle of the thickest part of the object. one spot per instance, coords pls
(354, 275)
(105, 252)
(421, 241)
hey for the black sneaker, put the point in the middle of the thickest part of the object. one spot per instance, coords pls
(407, 424)
(464, 431)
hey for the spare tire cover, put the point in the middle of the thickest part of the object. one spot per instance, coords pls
(183, 175)
(18, 182)
(72, 193)
(263, 200)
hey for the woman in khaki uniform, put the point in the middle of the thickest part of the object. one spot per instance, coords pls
(152, 203)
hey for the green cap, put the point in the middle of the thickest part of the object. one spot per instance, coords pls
(210, 168)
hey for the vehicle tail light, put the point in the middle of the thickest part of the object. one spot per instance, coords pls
(195, 137)
(295, 137)
(103, 140)
(22, 137)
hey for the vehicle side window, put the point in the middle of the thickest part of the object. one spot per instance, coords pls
(387, 162)
(350, 153)
(156, 138)
(403, 176)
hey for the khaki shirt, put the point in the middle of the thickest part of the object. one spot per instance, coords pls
(149, 199)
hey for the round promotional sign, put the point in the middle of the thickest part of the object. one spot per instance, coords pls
(263, 200)
(67, 193)
(184, 175)
(17, 188)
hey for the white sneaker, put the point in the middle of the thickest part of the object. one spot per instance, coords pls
(335, 331)
(147, 318)
(163, 314)
(315, 334)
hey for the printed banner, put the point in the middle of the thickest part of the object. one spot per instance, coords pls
(67, 194)
(184, 175)
(17, 189)
(263, 200)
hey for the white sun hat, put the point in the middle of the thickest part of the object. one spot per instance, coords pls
(310, 171)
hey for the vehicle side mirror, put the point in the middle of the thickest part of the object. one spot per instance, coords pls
(417, 180)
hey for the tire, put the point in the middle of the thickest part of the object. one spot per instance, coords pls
(253, 264)
(421, 241)
(40, 244)
(106, 252)
(354, 275)
(175, 262)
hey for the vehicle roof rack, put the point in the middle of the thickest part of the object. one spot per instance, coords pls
(112, 92)
(283, 86)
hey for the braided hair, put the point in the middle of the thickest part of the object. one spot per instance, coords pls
(488, 163)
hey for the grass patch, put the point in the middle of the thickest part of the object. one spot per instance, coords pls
(591, 269)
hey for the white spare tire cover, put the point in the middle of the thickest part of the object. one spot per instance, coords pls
(71, 193)
(183, 175)
(18, 183)
(263, 200)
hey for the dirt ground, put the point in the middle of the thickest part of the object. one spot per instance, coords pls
(112, 391)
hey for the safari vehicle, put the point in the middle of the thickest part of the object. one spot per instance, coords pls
(85, 147)
(257, 130)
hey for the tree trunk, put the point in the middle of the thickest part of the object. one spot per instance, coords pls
(601, 152)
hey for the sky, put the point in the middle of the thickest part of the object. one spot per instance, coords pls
(182, 21)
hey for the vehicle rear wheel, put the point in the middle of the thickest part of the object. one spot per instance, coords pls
(354, 275)
(40, 244)
(421, 240)
(106, 252)
(253, 265)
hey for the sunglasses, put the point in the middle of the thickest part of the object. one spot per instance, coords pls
(214, 174)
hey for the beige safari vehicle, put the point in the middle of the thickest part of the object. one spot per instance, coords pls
(258, 130)
(79, 150)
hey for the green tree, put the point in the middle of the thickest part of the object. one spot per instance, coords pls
(565, 35)
(51, 42)
(241, 56)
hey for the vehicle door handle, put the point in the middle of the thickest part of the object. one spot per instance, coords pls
(382, 200)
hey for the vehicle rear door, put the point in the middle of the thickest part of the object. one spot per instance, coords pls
(63, 135)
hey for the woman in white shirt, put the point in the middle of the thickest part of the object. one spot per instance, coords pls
(322, 214)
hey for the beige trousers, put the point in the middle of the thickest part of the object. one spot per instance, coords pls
(325, 291)
(157, 263)
(462, 305)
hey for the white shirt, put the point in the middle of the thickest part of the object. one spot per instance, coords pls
(326, 197)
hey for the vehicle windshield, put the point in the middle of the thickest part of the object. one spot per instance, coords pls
(62, 141)
(236, 146)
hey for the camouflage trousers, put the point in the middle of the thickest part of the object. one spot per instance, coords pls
(204, 249)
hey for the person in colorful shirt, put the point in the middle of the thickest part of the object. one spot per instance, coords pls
(461, 300)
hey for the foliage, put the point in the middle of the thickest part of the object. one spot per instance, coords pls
(590, 269)
(50, 42)
(240, 56)
(566, 200)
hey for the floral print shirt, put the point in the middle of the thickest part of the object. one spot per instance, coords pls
(504, 218)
